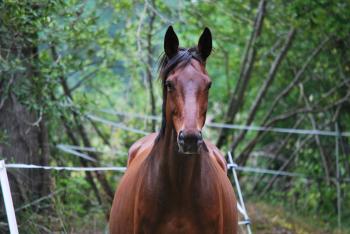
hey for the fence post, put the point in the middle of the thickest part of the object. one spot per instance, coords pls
(240, 204)
(6, 193)
(337, 138)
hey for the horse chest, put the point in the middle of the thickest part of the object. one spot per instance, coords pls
(180, 221)
(164, 210)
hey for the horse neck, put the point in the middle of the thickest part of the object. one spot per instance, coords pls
(180, 169)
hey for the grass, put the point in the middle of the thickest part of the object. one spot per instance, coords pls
(270, 219)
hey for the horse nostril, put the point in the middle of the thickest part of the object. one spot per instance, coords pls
(200, 136)
(181, 137)
(190, 142)
(199, 139)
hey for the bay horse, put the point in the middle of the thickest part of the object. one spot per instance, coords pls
(175, 181)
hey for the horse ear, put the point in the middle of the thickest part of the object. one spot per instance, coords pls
(171, 42)
(205, 44)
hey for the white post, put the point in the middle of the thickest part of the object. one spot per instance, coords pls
(337, 138)
(240, 204)
(6, 193)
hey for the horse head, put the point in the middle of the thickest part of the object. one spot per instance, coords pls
(186, 87)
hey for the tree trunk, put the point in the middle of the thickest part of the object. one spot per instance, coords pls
(23, 133)
(149, 67)
(237, 98)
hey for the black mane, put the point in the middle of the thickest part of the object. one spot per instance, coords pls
(166, 65)
(182, 57)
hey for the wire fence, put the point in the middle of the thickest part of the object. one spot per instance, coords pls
(11, 211)
(77, 151)
(58, 168)
(223, 125)
(232, 126)
(337, 134)
(123, 169)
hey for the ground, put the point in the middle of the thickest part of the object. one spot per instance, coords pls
(267, 219)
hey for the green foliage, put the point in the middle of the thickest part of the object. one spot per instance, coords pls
(102, 55)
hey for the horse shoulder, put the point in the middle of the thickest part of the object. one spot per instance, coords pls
(139, 146)
(216, 154)
(123, 214)
(228, 198)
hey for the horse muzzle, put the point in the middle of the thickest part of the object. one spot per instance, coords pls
(190, 142)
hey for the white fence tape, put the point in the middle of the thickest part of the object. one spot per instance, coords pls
(74, 152)
(231, 165)
(122, 169)
(266, 171)
(235, 126)
(31, 166)
(9, 204)
(117, 125)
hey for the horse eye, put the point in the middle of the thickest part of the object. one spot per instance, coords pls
(169, 85)
(209, 85)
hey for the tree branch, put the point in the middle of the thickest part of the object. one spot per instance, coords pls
(82, 80)
(244, 155)
(281, 146)
(296, 79)
(149, 66)
(267, 122)
(99, 133)
(82, 132)
(317, 137)
(245, 73)
(290, 160)
(267, 83)
(286, 164)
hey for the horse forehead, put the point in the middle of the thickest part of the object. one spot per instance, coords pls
(193, 73)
